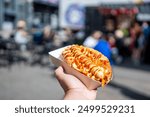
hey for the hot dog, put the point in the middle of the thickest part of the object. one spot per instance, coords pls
(89, 62)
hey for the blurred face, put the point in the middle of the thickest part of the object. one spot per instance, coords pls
(97, 35)
(112, 40)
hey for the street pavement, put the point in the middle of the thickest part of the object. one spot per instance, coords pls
(35, 82)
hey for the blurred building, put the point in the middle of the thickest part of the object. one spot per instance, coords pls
(91, 15)
(45, 12)
(34, 12)
(107, 16)
(12, 11)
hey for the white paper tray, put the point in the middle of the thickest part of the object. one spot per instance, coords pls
(55, 57)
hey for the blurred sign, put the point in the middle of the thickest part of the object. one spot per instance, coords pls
(137, 1)
(143, 17)
(49, 1)
(75, 15)
(72, 15)
(115, 1)
(122, 1)
(145, 1)
(118, 11)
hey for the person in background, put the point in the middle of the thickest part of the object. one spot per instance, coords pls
(136, 45)
(120, 45)
(21, 35)
(104, 47)
(146, 54)
(66, 36)
(37, 35)
(114, 49)
(48, 38)
(92, 40)
(48, 35)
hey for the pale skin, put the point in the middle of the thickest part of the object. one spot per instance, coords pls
(74, 89)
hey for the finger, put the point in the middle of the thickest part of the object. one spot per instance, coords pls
(60, 73)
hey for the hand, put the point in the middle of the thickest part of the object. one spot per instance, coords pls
(73, 87)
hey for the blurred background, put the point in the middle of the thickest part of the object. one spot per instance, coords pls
(29, 29)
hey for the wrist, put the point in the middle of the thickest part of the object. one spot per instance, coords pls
(80, 94)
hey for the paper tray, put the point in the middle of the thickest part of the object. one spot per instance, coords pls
(55, 57)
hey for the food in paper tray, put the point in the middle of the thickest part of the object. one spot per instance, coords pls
(89, 62)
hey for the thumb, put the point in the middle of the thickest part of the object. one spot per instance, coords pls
(60, 73)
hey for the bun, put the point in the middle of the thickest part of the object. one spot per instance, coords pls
(89, 62)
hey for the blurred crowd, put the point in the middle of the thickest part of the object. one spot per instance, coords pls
(123, 44)
(32, 46)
